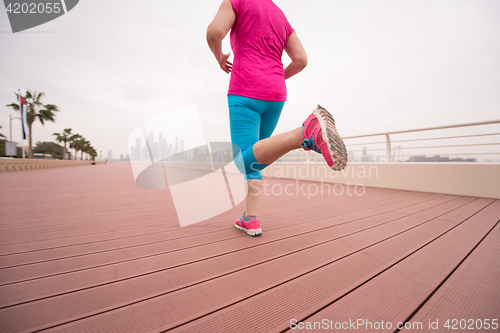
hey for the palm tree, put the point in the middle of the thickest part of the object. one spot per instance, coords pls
(65, 136)
(1, 135)
(79, 145)
(87, 149)
(36, 109)
(74, 139)
(93, 154)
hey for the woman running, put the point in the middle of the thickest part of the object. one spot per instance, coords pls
(260, 32)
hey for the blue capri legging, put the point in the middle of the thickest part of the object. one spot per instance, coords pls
(251, 120)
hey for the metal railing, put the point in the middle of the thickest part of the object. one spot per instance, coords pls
(433, 144)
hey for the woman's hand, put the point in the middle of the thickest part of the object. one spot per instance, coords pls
(297, 53)
(217, 30)
(225, 64)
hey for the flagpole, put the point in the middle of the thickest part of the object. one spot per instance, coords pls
(22, 134)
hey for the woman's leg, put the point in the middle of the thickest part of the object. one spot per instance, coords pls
(252, 199)
(252, 124)
(245, 121)
(269, 119)
(268, 150)
(253, 120)
(309, 136)
(317, 133)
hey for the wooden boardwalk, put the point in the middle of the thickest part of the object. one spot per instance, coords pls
(84, 249)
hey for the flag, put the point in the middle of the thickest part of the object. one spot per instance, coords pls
(24, 117)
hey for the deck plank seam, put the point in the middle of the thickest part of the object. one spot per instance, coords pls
(149, 211)
(70, 228)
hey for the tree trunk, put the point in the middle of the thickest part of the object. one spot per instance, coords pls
(30, 141)
(64, 151)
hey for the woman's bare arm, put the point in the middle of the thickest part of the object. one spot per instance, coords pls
(297, 53)
(217, 30)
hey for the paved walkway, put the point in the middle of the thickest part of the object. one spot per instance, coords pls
(83, 249)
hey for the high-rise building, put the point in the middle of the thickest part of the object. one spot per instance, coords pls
(137, 150)
(170, 150)
(164, 151)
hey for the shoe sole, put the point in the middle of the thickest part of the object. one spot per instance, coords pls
(250, 232)
(334, 142)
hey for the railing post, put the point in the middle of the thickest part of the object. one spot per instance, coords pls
(210, 159)
(388, 142)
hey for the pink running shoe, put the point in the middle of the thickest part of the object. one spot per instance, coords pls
(319, 134)
(252, 227)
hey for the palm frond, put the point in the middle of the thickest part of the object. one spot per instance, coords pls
(51, 107)
(14, 106)
(46, 115)
(59, 137)
(39, 96)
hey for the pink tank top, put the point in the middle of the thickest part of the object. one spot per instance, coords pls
(258, 38)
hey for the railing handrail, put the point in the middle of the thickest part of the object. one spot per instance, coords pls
(425, 129)
(425, 139)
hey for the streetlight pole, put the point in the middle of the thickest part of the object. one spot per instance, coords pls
(10, 129)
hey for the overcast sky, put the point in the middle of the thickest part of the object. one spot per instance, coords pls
(376, 65)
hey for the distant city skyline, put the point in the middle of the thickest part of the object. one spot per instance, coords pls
(160, 148)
